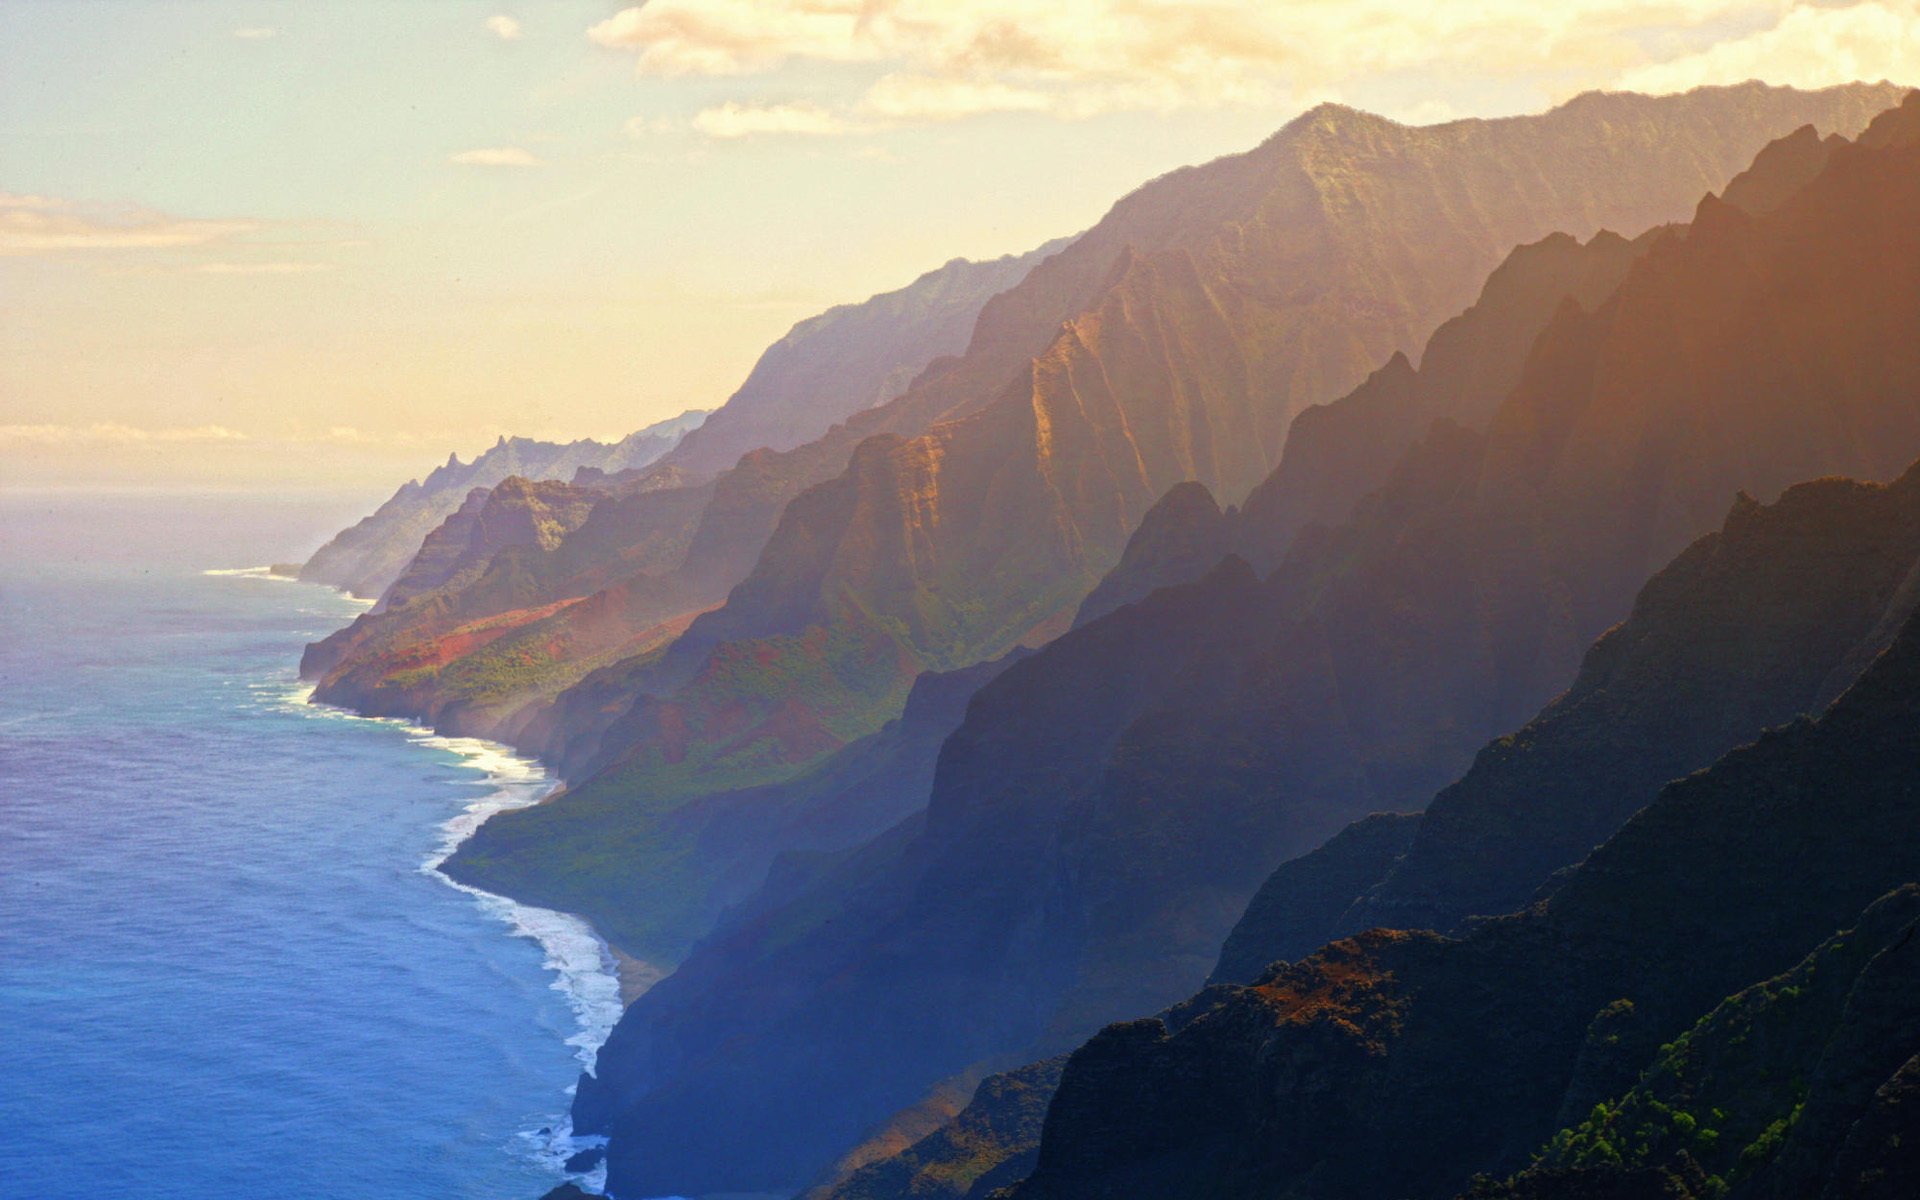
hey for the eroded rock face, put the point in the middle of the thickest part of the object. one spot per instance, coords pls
(1459, 1054)
(1109, 805)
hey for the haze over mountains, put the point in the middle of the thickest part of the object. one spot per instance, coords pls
(364, 560)
(1281, 575)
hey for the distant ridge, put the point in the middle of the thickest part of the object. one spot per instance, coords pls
(366, 557)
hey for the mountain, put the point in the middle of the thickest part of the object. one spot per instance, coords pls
(1338, 452)
(1291, 914)
(850, 358)
(1183, 313)
(1749, 627)
(1205, 311)
(1789, 1087)
(366, 557)
(714, 851)
(522, 591)
(1463, 1056)
(1766, 619)
(1107, 807)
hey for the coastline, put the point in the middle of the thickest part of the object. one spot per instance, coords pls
(596, 979)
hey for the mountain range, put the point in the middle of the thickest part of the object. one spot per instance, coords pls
(854, 594)
(365, 558)
(1427, 612)
(1109, 805)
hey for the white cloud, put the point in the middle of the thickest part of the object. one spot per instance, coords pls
(495, 156)
(262, 268)
(1811, 46)
(906, 97)
(107, 433)
(733, 120)
(506, 28)
(255, 34)
(940, 60)
(738, 37)
(46, 225)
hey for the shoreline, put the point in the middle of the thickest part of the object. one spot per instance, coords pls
(596, 979)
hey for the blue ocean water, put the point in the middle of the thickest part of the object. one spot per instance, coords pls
(224, 967)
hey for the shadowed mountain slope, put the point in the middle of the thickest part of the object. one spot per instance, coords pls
(1464, 1056)
(1108, 806)
(1338, 452)
(1747, 628)
(1227, 298)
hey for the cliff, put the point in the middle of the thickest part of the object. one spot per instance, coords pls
(1110, 804)
(850, 358)
(1459, 1053)
(369, 555)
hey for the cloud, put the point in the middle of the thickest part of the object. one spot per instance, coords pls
(255, 34)
(906, 97)
(47, 225)
(644, 126)
(734, 120)
(942, 60)
(262, 268)
(737, 37)
(107, 433)
(1810, 46)
(503, 27)
(495, 156)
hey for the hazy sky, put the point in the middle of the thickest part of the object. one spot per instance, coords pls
(330, 241)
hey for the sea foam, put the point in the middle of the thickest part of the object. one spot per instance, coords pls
(582, 965)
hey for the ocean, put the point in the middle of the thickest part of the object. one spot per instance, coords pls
(227, 967)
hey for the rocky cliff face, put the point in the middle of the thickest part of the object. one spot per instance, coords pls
(1462, 1055)
(1109, 805)
(1205, 312)
(1336, 453)
(1750, 627)
(851, 358)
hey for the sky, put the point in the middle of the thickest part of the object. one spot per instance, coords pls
(325, 243)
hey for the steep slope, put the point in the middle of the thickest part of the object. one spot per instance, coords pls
(1256, 286)
(512, 599)
(1747, 628)
(651, 896)
(1762, 1094)
(1458, 1055)
(1338, 452)
(1109, 805)
(368, 556)
(990, 1143)
(1290, 915)
(851, 358)
(1750, 627)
